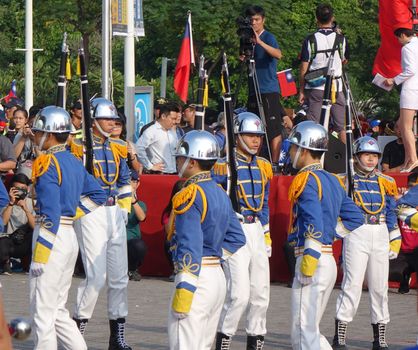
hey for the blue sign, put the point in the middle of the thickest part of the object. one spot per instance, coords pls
(143, 112)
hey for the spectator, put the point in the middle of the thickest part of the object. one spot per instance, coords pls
(3, 122)
(157, 106)
(24, 147)
(76, 114)
(394, 153)
(409, 247)
(189, 116)
(177, 125)
(316, 51)
(156, 146)
(136, 246)
(409, 95)
(7, 155)
(374, 130)
(166, 222)
(266, 54)
(19, 221)
(9, 108)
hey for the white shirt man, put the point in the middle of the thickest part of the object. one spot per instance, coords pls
(156, 146)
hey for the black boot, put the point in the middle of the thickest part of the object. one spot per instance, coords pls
(223, 342)
(117, 335)
(255, 342)
(379, 335)
(81, 324)
(340, 335)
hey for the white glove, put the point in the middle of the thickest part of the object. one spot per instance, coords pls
(268, 250)
(179, 315)
(36, 269)
(303, 280)
(392, 255)
(404, 212)
(240, 216)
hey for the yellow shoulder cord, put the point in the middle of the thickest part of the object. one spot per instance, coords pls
(101, 173)
(359, 200)
(242, 194)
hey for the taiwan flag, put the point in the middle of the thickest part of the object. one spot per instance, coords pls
(185, 59)
(287, 83)
(12, 92)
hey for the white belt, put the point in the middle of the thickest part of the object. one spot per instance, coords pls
(325, 249)
(211, 261)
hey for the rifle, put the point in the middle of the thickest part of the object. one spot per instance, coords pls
(231, 148)
(199, 121)
(62, 79)
(349, 137)
(85, 104)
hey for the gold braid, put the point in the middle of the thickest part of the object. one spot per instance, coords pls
(101, 173)
(359, 200)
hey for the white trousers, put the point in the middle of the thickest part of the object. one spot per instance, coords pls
(49, 293)
(197, 331)
(247, 274)
(102, 238)
(309, 303)
(365, 254)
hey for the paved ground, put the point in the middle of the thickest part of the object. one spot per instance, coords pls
(148, 304)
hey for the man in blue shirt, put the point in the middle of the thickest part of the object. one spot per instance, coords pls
(266, 53)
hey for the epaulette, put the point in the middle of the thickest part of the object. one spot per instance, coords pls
(388, 184)
(182, 202)
(299, 184)
(341, 179)
(265, 167)
(41, 164)
(220, 167)
(119, 147)
(76, 148)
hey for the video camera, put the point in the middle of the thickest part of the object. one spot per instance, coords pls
(246, 35)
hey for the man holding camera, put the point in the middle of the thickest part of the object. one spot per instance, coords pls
(19, 221)
(315, 59)
(266, 53)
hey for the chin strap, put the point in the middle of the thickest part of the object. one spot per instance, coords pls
(295, 161)
(42, 141)
(183, 168)
(364, 169)
(246, 148)
(105, 134)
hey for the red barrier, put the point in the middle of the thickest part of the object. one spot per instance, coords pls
(155, 191)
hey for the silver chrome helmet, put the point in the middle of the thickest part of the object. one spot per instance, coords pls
(102, 108)
(198, 144)
(366, 144)
(309, 135)
(52, 119)
(248, 123)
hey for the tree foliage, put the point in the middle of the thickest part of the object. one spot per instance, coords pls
(214, 31)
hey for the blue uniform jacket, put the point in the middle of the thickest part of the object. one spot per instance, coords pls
(205, 225)
(407, 208)
(110, 168)
(321, 212)
(375, 195)
(63, 188)
(253, 185)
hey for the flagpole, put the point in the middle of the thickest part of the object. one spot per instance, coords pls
(105, 48)
(129, 62)
(28, 55)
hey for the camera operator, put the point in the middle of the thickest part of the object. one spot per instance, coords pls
(19, 221)
(316, 51)
(266, 53)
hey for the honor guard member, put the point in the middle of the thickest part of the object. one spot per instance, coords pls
(321, 212)
(367, 250)
(407, 208)
(247, 272)
(64, 190)
(204, 229)
(102, 234)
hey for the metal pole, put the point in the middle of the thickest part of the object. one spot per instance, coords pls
(163, 80)
(28, 55)
(105, 48)
(130, 69)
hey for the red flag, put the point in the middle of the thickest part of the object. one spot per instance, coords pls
(287, 83)
(12, 92)
(186, 57)
(393, 14)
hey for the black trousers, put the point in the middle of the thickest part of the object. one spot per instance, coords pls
(9, 248)
(136, 253)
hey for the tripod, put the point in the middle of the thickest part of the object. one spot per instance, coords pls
(249, 63)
